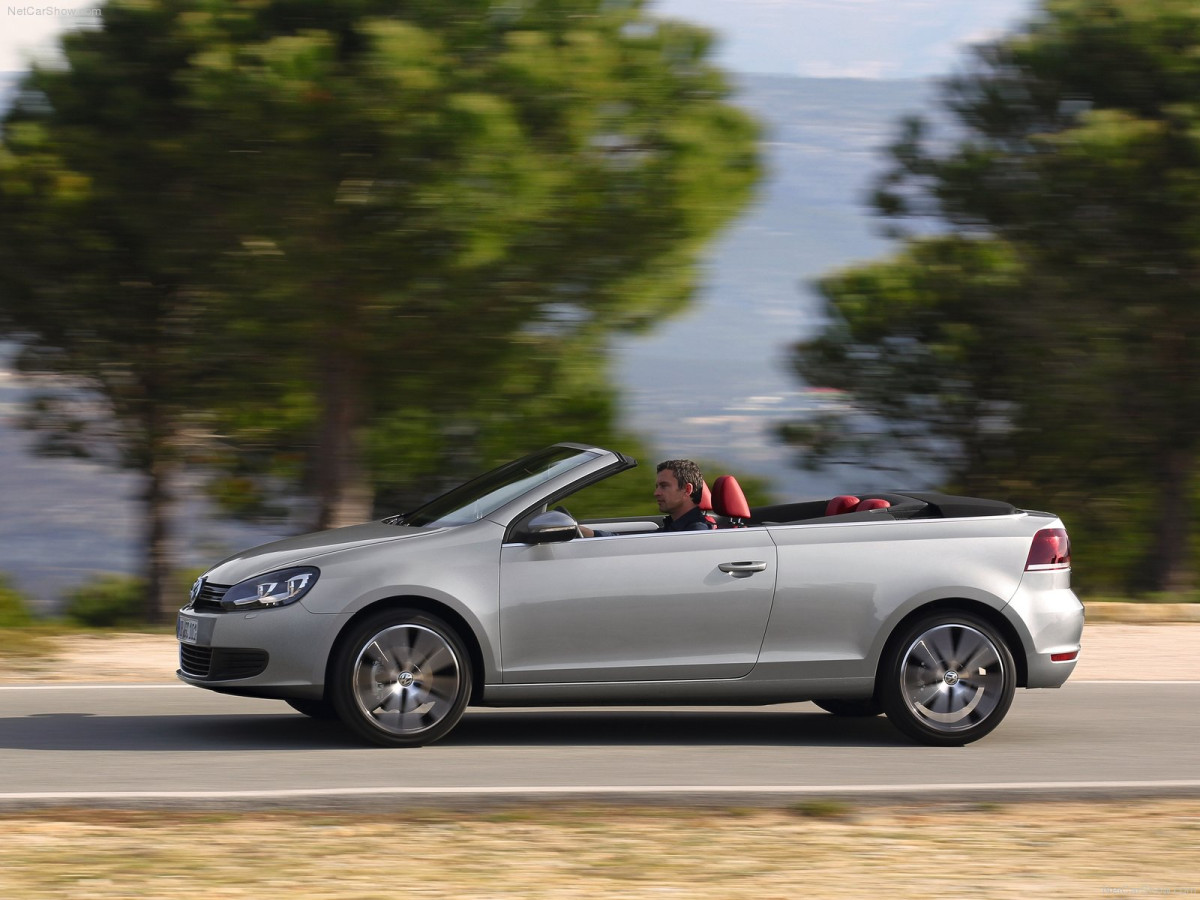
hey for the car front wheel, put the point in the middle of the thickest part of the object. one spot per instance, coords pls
(401, 679)
(948, 680)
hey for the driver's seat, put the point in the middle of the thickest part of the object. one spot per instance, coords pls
(706, 504)
(729, 501)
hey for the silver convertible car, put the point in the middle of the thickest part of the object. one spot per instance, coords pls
(930, 608)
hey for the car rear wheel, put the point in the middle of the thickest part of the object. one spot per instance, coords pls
(851, 708)
(948, 680)
(401, 679)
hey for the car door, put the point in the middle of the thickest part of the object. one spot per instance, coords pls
(840, 584)
(638, 607)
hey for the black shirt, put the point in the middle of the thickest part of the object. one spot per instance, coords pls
(692, 520)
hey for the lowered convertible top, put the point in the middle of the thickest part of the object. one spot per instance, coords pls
(901, 505)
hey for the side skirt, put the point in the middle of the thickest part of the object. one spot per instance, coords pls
(731, 692)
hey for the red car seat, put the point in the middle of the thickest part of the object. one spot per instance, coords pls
(843, 503)
(873, 503)
(729, 501)
(706, 503)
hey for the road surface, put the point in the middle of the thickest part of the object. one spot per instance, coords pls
(175, 745)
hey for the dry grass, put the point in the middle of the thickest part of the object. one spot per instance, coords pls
(25, 651)
(1055, 849)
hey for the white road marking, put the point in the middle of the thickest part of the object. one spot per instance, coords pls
(782, 790)
(1132, 681)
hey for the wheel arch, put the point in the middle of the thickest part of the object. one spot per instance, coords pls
(422, 604)
(989, 614)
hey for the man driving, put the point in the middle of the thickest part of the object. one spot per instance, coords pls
(678, 486)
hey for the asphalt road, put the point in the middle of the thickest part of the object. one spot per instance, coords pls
(175, 745)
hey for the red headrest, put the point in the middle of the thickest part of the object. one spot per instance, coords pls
(728, 499)
(705, 497)
(873, 503)
(841, 504)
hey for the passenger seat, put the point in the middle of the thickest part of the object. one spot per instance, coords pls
(729, 501)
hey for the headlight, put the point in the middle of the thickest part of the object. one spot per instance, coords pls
(271, 590)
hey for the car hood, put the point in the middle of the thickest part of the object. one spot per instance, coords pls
(306, 548)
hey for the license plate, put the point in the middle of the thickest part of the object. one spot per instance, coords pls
(187, 629)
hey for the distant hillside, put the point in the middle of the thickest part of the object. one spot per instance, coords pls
(711, 384)
(823, 147)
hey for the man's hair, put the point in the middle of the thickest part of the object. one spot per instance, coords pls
(685, 471)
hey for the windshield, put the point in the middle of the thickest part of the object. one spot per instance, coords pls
(487, 493)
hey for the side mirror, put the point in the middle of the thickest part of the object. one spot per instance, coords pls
(550, 527)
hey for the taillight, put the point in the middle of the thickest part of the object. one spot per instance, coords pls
(1051, 549)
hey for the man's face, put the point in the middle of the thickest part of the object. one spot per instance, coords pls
(671, 498)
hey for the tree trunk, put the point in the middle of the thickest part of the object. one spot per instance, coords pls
(1170, 564)
(161, 602)
(344, 492)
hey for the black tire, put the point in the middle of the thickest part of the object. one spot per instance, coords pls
(947, 680)
(401, 678)
(851, 708)
(315, 709)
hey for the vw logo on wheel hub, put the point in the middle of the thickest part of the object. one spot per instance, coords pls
(951, 678)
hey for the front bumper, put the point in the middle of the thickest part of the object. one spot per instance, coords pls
(266, 653)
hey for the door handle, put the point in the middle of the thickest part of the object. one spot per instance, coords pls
(742, 569)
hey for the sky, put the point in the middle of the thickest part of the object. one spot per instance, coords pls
(883, 39)
(814, 38)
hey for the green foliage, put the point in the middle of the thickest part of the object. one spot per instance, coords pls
(450, 214)
(625, 494)
(108, 601)
(1043, 347)
(923, 340)
(344, 245)
(14, 608)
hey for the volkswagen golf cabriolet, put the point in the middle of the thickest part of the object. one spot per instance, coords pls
(927, 607)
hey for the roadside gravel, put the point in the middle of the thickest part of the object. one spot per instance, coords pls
(1111, 651)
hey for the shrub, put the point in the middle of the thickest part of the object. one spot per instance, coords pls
(107, 601)
(14, 609)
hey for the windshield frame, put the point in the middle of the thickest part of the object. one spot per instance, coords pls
(485, 494)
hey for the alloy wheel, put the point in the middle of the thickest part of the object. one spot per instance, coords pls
(951, 681)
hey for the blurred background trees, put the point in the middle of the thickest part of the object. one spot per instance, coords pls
(353, 248)
(1037, 332)
(347, 253)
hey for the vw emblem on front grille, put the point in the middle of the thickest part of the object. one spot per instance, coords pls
(197, 587)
